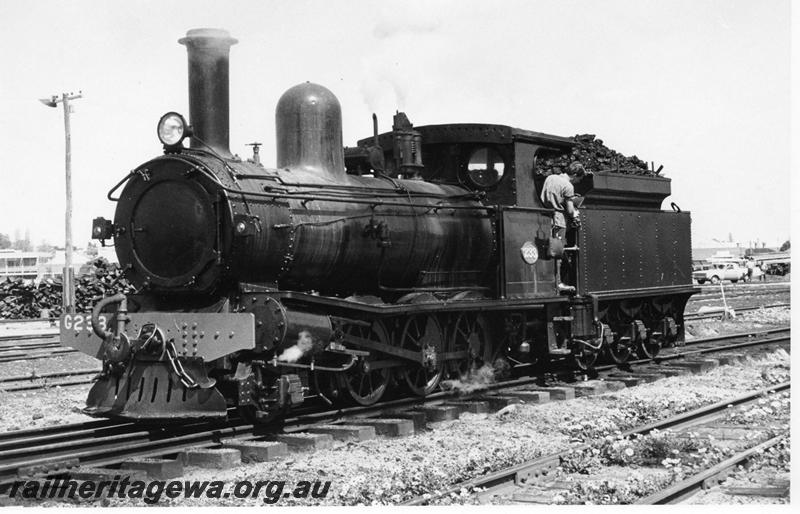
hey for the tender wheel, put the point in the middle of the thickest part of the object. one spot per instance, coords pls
(423, 333)
(619, 351)
(364, 383)
(649, 347)
(470, 335)
(715, 280)
(585, 353)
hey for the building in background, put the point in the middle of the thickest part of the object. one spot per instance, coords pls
(16, 264)
(705, 250)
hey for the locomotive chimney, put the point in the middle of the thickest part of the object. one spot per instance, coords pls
(208, 51)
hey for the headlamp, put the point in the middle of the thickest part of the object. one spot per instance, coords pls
(172, 129)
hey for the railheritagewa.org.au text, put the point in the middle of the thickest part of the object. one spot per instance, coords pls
(153, 491)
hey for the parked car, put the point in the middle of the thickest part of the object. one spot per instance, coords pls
(720, 271)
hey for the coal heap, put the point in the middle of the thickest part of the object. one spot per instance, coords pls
(22, 299)
(595, 157)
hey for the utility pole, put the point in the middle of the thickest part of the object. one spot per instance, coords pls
(68, 289)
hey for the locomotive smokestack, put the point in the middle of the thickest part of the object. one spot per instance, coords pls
(208, 51)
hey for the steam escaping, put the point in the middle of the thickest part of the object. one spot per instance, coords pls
(304, 344)
(389, 70)
(473, 380)
(384, 85)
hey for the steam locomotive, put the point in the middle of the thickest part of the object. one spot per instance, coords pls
(421, 254)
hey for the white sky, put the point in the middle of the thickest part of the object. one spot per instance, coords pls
(700, 86)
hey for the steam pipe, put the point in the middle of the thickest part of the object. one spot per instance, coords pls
(209, 50)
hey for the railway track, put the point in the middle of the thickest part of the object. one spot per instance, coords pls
(717, 314)
(685, 489)
(24, 337)
(526, 473)
(22, 354)
(41, 381)
(108, 442)
(737, 292)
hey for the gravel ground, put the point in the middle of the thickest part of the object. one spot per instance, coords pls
(52, 406)
(386, 471)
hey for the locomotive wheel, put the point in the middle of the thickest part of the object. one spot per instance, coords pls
(423, 333)
(584, 355)
(618, 353)
(364, 385)
(649, 348)
(470, 334)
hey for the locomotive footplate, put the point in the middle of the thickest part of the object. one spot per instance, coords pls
(195, 334)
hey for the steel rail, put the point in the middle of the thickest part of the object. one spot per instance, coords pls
(34, 382)
(688, 487)
(57, 352)
(756, 285)
(25, 337)
(57, 374)
(696, 315)
(29, 346)
(716, 349)
(531, 467)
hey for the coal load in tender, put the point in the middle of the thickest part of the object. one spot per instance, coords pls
(23, 299)
(595, 157)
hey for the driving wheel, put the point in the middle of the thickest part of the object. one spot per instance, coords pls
(367, 380)
(470, 338)
(423, 333)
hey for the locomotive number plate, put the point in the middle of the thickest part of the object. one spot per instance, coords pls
(80, 322)
(76, 332)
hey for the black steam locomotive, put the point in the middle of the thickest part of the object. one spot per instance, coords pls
(420, 254)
